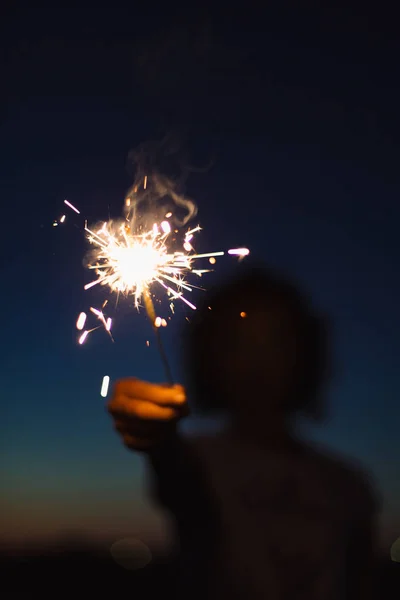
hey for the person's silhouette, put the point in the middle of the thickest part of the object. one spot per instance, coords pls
(259, 512)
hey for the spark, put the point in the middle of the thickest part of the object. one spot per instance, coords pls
(239, 251)
(191, 231)
(80, 323)
(106, 323)
(212, 254)
(62, 219)
(83, 337)
(104, 386)
(85, 334)
(72, 206)
(166, 227)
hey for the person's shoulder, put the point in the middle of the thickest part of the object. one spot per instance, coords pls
(335, 463)
(345, 479)
(348, 475)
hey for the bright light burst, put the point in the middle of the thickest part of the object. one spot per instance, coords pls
(131, 264)
(139, 264)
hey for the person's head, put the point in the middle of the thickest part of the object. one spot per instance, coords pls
(257, 347)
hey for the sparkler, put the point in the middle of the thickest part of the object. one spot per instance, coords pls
(138, 261)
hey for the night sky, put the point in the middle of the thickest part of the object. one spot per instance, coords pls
(300, 114)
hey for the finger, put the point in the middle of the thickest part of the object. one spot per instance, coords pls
(125, 407)
(152, 392)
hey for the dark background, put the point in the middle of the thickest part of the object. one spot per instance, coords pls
(298, 108)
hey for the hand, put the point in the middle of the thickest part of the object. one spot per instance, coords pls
(145, 413)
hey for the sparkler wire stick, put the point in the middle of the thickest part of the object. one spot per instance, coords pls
(149, 306)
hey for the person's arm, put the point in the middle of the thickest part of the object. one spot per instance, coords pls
(179, 480)
(146, 416)
(180, 485)
(169, 468)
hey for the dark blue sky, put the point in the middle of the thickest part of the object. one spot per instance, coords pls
(302, 116)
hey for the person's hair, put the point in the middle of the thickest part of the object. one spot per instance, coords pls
(268, 290)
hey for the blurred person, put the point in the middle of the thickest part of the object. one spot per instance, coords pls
(259, 511)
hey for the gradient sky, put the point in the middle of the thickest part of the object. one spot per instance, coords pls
(303, 120)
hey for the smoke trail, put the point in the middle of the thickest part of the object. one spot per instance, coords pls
(160, 174)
